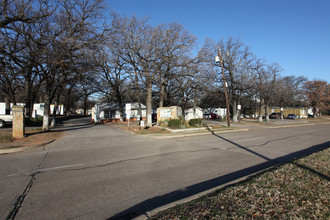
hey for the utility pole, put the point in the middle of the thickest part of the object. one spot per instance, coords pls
(217, 59)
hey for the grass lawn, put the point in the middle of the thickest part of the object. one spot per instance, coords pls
(296, 190)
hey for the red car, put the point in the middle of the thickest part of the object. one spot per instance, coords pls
(215, 116)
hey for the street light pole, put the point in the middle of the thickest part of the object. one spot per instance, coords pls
(219, 58)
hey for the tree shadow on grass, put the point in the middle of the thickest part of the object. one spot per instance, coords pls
(162, 200)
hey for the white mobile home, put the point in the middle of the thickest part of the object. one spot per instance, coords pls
(190, 114)
(111, 111)
(38, 109)
(218, 111)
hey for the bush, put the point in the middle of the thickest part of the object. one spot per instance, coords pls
(196, 122)
(174, 123)
(163, 123)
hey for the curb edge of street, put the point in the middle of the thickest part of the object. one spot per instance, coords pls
(176, 135)
(288, 126)
(20, 149)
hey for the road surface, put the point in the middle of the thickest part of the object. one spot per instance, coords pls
(99, 172)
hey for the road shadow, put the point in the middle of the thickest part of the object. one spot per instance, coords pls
(239, 146)
(268, 159)
(73, 124)
(73, 127)
(165, 199)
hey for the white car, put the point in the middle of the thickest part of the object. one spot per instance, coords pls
(5, 119)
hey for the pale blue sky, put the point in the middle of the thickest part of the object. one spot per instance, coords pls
(293, 33)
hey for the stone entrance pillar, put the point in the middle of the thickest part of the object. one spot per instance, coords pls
(18, 122)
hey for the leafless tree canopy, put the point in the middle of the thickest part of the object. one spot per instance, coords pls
(64, 51)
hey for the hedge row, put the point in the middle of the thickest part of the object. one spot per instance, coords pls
(177, 123)
(196, 122)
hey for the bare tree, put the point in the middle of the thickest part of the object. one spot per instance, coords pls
(113, 76)
(266, 76)
(72, 35)
(139, 47)
(288, 91)
(176, 45)
(237, 59)
(22, 46)
(24, 11)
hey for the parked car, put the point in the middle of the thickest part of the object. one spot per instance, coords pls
(215, 116)
(291, 116)
(275, 115)
(5, 119)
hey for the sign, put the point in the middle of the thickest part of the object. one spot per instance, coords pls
(128, 110)
(165, 113)
(239, 107)
(142, 124)
(128, 106)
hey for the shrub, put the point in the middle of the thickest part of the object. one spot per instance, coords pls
(174, 123)
(163, 123)
(196, 122)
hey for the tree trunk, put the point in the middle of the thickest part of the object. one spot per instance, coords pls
(195, 103)
(138, 95)
(120, 103)
(267, 112)
(235, 113)
(28, 100)
(85, 104)
(255, 109)
(45, 122)
(314, 112)
(149, 103)
(53, 123)
(238, 111)
(67, 100)
(7, 106)
(140, 108)
(161, 95)
(261, 107)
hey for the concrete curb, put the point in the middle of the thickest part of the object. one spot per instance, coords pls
(182, 130)
(176, 135)
(289, 126)
(20, 149)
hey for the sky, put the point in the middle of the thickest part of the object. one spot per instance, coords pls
(293, 33)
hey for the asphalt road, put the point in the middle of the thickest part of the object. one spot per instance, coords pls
(99, 172)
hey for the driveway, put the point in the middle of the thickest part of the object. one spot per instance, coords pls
(99, 172)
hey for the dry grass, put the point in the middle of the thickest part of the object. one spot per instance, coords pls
(31, 138)
(296, 190)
